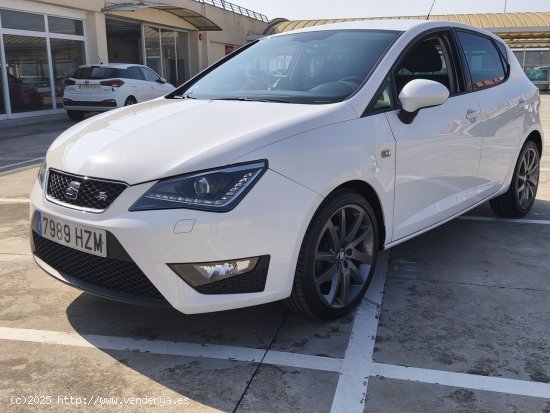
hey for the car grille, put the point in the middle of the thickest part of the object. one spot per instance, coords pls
(121, 279)
(93, 194)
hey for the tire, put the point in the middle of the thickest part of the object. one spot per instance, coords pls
(130, 100)
(75, 114)
(329, 256)
(520, 197)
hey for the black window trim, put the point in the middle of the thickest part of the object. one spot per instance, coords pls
(503, 60)
(369, 111)
(447, 35)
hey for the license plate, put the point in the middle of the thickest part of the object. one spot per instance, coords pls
(80, 237)
(88, 87)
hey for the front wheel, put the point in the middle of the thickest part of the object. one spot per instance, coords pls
(337, 258)
(520, 197)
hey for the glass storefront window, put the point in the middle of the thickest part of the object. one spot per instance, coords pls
(28, 73)
(152, 48)
(67, 55)
(169, 66)
(182, 45)
(537, 64)
(166, 52)
(519, 56)
(23, 21)
(65, 26)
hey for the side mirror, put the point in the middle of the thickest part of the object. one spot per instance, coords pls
(419, 94)
(161, 80)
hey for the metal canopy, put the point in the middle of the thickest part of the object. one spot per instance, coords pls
(517, 29)
(196, 19)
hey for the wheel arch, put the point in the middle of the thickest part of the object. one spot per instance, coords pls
(368, 192)
(536, 137)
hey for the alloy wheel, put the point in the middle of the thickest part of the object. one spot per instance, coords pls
(528, 178)
(344, 256)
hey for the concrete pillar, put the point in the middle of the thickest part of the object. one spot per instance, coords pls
(96, 38)
(204, 50)
(194, 53)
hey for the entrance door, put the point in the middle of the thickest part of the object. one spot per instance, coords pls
(123, 41)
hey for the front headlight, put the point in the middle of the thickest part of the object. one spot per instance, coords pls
(215, 190)
(42, 173)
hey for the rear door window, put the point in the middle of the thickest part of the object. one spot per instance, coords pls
(135, 73)
(149, 74)
(484, 60)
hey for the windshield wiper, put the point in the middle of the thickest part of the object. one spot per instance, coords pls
(250, 99)
(182, 97)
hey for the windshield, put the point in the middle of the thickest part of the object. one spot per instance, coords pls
(311, 67)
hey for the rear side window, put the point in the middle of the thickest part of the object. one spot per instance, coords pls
(149, 74)
(135, 73)
(100, 73)
(484, 61)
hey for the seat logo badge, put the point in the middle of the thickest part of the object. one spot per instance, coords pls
(102, 196)
(72, 190)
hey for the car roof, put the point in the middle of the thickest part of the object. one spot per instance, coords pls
(111, 65)
(401, 25)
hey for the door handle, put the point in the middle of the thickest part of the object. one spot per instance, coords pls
(473, 114)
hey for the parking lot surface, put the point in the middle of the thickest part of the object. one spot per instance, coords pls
(457, 319)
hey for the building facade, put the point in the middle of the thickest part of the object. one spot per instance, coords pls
(44, 42)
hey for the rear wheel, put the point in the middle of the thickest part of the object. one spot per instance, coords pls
(520, 197)
(75, 114)
(337, 258)
(130, 101)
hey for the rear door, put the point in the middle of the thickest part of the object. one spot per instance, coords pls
(138, 84)
(154, 86)
(503, 106)
(437, 155)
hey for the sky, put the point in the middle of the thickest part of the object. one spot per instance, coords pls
(323, 9)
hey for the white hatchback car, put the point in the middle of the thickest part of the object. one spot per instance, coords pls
(102, 87)
(281, 171)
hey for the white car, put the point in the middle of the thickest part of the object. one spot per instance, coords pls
(281, 171)
(102, 87)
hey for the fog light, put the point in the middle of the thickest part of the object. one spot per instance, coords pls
(208, 272)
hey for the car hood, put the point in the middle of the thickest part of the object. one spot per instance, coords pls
(163, 137)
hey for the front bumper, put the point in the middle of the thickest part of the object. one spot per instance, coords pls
(269, 222)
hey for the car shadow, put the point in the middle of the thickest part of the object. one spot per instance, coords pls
(216, 383)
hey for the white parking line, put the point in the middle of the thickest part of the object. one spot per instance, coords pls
(468, 381)
(351, 392)
(14, 201)
(21, 163)
(509, 220)
(303, 361)
(133, 344)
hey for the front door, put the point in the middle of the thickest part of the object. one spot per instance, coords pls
(438, 154)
